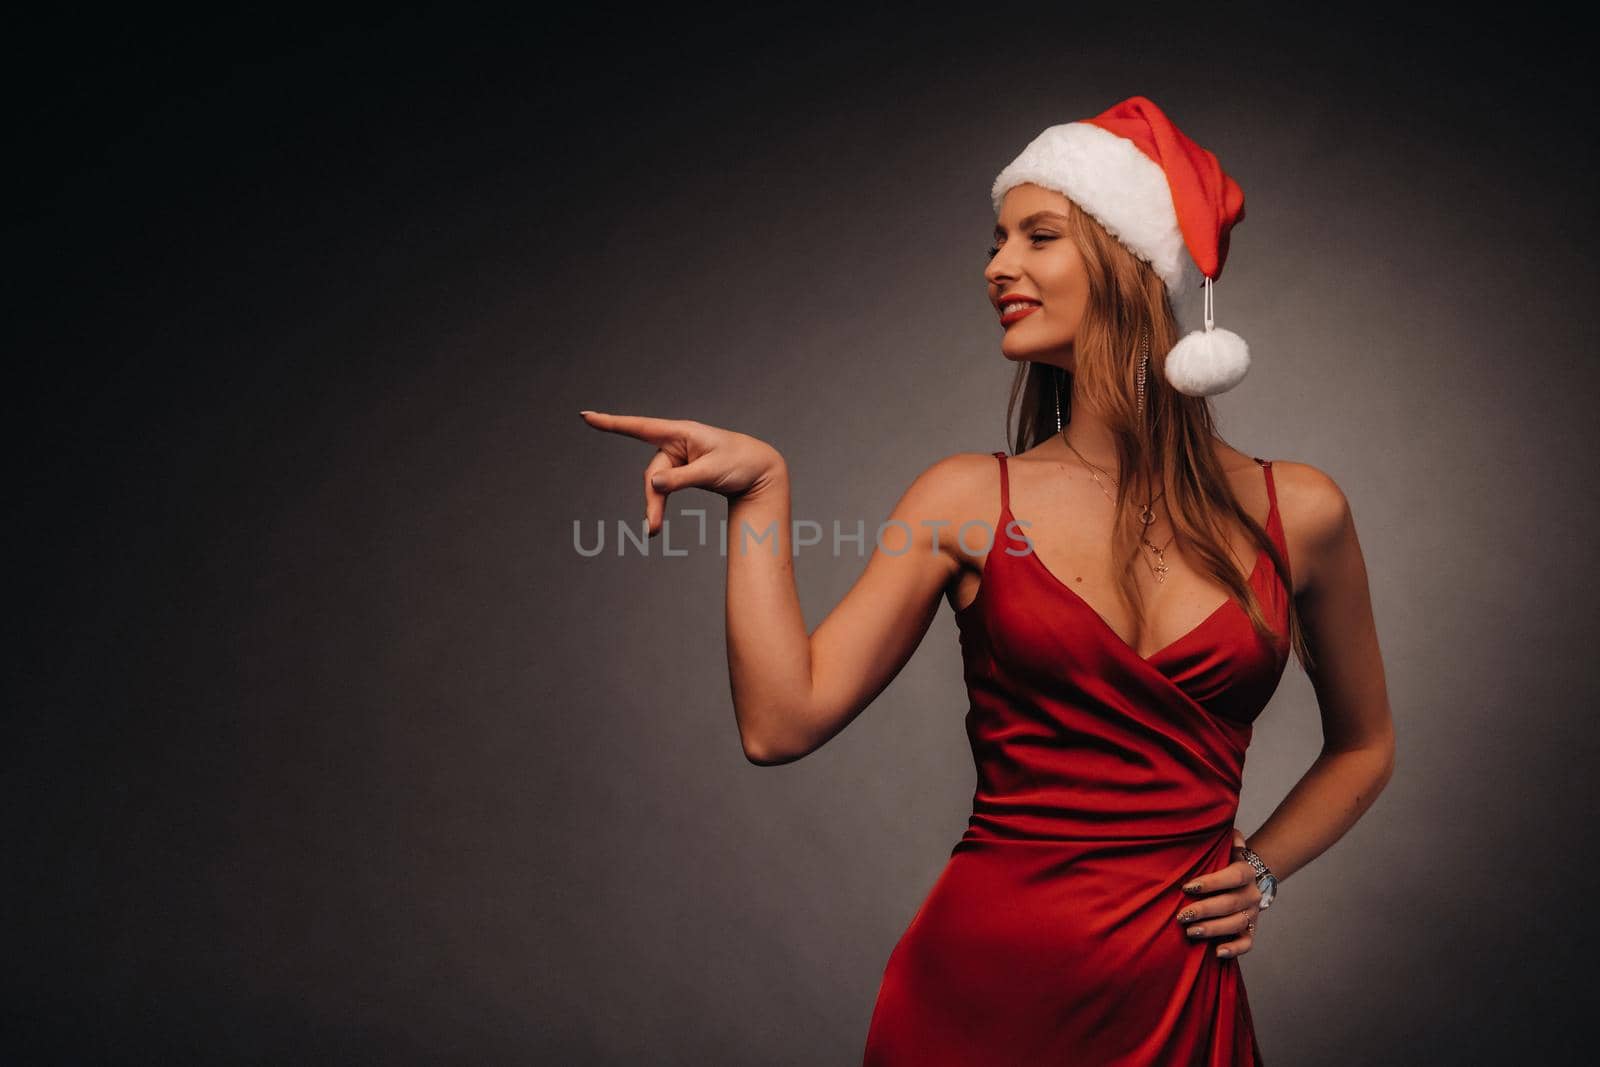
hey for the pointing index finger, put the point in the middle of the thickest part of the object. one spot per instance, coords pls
(643, 427)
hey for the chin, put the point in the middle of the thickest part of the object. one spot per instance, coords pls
(1018, 350)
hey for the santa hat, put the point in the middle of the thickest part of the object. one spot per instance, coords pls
(1166, 199)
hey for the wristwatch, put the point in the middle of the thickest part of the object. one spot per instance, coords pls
(1265, 881)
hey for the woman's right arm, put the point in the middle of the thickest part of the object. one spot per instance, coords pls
(793, 691)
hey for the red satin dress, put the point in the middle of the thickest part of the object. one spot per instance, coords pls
(1106, 780)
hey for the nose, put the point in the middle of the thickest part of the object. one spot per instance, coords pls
(997, 273)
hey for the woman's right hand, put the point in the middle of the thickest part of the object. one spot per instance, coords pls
(793, 689)
(693, 454)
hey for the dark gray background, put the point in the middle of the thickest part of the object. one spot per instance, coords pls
(326, 746)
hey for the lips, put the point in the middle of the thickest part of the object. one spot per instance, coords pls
(1019, 309)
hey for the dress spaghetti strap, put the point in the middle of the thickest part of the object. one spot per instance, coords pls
(1274, 515)
(1005, 485)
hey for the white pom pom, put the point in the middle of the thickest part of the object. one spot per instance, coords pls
(1208, 362)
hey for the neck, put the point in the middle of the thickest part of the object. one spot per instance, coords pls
(1092, 438)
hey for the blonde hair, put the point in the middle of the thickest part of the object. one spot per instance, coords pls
(1127, 296)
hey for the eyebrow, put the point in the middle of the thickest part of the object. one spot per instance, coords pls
(999, 231)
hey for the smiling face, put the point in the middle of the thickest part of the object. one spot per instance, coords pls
(1035, 262)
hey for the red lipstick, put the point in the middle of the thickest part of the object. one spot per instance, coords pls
(1017, 314)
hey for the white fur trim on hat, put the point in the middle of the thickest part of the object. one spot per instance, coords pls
(1110, 178)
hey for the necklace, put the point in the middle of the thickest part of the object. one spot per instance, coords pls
(1147, 515)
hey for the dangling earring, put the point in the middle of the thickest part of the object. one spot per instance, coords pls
(1144, 361)
(1055, 376)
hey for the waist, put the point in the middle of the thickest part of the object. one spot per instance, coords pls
(1060, 814)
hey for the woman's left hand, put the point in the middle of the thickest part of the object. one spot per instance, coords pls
(1227, 906)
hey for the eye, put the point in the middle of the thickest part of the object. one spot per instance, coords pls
(994, 250)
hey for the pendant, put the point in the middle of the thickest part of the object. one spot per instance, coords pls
(1161, 568)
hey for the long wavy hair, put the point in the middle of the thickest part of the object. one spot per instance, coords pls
(1170, 446)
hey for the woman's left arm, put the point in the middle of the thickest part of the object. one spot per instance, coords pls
(1358, 744)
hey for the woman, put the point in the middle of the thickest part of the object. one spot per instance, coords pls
(1129, 615)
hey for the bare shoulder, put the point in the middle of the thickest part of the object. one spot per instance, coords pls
(1315, 512)
(951, 491)
(1310, 500)
(956, 480)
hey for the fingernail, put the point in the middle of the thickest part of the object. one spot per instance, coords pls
(585, 412)
(1224, 952)
(656, 481)
(1196, 931)
(1192, 887)
(1185, 916)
